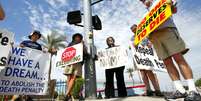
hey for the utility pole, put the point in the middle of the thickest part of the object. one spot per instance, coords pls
(90, 72)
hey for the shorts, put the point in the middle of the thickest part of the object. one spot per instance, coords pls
(74, 69)
(167, 42)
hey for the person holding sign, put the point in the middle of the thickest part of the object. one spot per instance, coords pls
(170, 46)
(119, 71)
(75, 70)
(148, 74)
(31, 43)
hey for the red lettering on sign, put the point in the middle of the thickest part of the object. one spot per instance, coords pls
(142, 34)
(141, 23)
(151, 26)
(163, 1)
(159, 19)
(162, 16)
(68, 54)
(156, 7)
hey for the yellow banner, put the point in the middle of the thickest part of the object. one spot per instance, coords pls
(156, 16)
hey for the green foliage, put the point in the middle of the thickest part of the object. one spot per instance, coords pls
(130, 72)
(198, 83)
(53, 40)
(77, 87)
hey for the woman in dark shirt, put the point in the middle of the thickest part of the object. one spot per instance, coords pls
(109, 73)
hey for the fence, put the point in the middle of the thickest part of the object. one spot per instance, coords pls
(61, 87)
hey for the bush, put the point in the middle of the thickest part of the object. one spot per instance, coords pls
(198, 83)
(77, 87)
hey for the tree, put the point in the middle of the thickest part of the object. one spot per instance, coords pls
(130, 72)
(198, 83)
(53, 40)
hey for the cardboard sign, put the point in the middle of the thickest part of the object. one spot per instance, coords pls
(6, 38)
(153, 19)
(146, 58)
(112, 57)
(69, 55)
(26, 72)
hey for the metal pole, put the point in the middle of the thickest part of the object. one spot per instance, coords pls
(90, 72)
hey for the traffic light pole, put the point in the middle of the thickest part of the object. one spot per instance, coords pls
(90, 72)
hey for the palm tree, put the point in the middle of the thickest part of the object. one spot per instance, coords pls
(53, 40)
(130, 72)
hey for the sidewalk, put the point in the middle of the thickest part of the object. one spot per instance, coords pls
(135, 98)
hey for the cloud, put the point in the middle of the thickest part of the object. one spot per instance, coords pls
(57, 3)
(45, 17)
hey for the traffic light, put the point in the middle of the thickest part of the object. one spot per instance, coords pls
(96, 22)
(74, 17)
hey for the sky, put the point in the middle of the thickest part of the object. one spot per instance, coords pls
(24, 16)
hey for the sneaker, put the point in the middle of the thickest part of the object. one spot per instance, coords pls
(176, 95)
(149, 93)
(67, 98)
(193, 96)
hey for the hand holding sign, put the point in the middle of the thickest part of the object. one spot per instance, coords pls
(153, 19)
(169, 2)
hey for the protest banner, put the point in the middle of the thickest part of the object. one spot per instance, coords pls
(153, 19)
(69, 55)
(112, 57)
(6, 38)
(146, 58)
(26, 72)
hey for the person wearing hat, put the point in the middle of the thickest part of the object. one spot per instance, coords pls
(32, 43)
(170, 47)
(148, 74)
(75, 70)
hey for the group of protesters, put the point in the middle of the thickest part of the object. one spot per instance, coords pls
(169, 47)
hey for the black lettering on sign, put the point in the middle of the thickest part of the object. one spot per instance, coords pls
(3, 40)
(159, 64)
(3, 61)
(145, 51)
(146, 61)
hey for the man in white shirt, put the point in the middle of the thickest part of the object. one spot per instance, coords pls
(170, 46)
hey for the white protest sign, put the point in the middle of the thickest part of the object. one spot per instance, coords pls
(146, 58)
(69, 55)
(26, 72)
(112, 57)
(6, 38)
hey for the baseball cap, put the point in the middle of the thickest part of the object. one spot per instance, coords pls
(35, 32)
